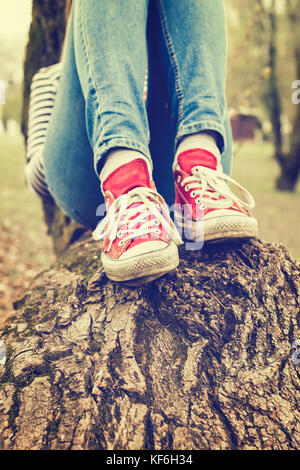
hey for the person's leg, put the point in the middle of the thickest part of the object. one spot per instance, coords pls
(195, 36)
(111, 55)
(99, 105)
(108, 48)
(162, 105)
(67, 155)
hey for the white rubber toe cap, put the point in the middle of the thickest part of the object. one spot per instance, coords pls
(143, 248)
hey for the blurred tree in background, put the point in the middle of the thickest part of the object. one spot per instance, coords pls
(264, 62)
(290, 161)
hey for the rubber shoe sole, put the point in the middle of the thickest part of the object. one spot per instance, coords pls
(143, 268)
(217, 229)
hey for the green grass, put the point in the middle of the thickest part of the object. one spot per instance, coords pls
(25, 248)
(20, 210)
(277, 212)
(16, 201)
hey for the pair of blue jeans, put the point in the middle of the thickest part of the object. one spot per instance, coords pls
(100, 101)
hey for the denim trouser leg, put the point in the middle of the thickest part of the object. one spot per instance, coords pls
(194, 32)
(68, 155)
(187, 75)
(100, 99)
(111, 59)
(99, 104)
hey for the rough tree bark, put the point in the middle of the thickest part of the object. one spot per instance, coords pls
(200, 359)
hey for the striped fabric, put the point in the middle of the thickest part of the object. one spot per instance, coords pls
(42, 98)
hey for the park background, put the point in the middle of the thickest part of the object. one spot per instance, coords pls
(263, 64)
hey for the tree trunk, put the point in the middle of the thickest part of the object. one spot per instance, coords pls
(290, 164)
(200, 359)
(273, 94)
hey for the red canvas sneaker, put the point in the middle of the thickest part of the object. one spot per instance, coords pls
(205, 205)
(139, 238)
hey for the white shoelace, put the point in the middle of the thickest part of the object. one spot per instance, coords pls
(121, 213)
(205, 180)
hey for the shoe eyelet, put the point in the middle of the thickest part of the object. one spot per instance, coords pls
(193, 194)
(156, 222)
(157, 231)
(187, 188)
(121, 242)
(178, 179)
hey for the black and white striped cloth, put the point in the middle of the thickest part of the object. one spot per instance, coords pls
(42, 98)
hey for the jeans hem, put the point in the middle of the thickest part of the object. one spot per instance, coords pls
(114, 143)
(200, 127)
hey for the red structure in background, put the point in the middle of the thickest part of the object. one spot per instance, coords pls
(245, 126)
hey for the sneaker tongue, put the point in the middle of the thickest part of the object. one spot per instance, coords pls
(196, 157)
(129, 176)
